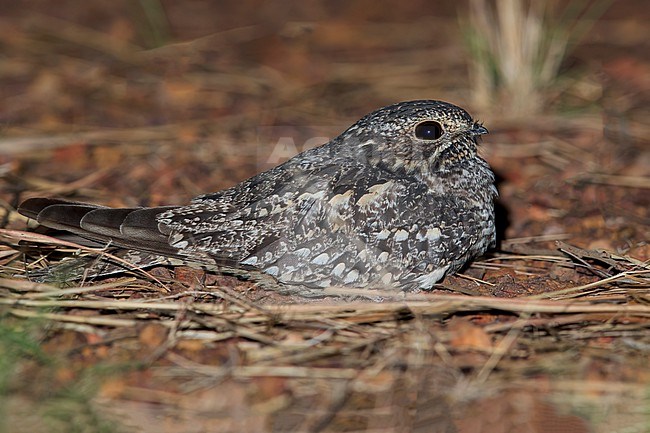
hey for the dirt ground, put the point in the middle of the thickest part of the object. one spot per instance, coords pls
(150, 103)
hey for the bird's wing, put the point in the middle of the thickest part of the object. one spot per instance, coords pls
(301, 227)
(232, 224)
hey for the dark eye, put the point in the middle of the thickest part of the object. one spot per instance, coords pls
(428, 130)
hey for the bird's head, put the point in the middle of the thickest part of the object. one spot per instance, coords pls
(416, 136)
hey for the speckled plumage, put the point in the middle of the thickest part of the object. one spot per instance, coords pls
(381, 205)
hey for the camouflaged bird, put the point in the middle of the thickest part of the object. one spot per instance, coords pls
(399, 200)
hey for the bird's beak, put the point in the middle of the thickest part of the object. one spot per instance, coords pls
(479, 129)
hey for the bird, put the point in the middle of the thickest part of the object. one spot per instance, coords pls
(397, 201)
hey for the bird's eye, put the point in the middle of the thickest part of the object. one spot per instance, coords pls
(428, 130)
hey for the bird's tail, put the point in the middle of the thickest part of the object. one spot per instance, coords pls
(132, 228)
(141, 242)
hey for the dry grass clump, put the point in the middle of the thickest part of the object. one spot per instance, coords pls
(518, 47)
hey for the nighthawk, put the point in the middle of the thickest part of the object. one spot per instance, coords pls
(398, 200)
